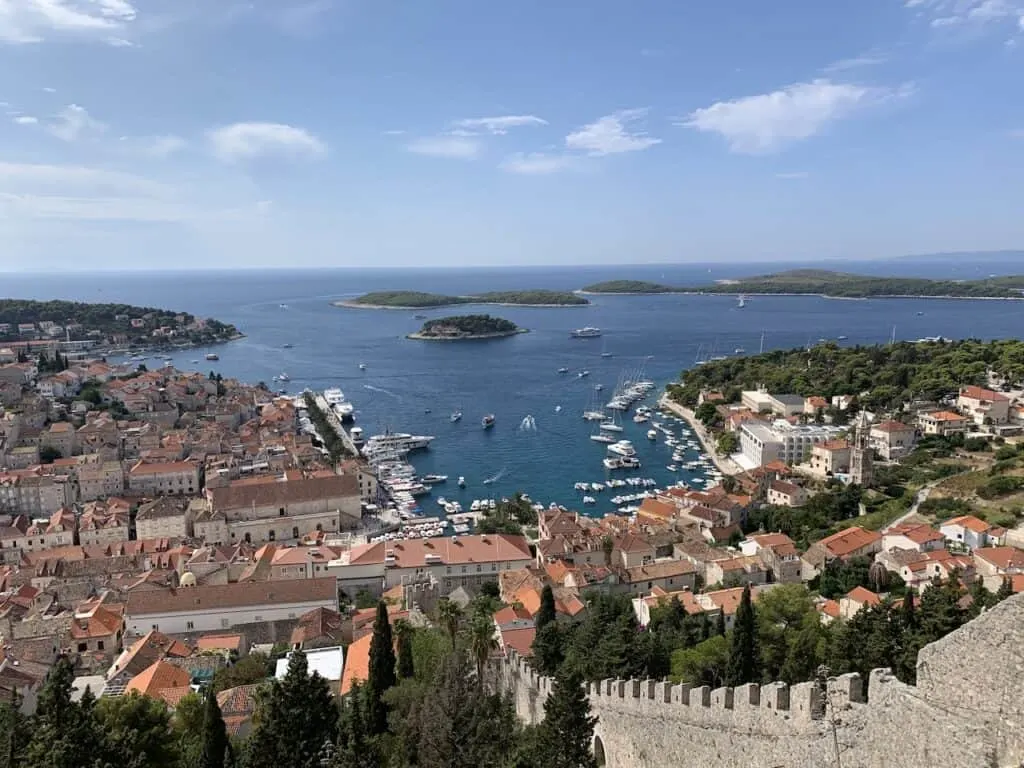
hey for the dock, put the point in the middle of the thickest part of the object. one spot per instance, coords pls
(335, 422)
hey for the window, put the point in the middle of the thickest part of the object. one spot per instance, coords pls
(156, 627)
(99, 645)
(189, 625)
(280, 512)
(82, 647)
(271, 536)
(478, 567)
(295, 532)
(223, 624)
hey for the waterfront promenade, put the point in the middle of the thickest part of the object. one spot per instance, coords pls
(725, 465)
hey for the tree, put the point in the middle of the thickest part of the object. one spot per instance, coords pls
(48, 454)
(450, 615)
(546, 613)
(706, 413)
(13, 736)
(215, 735)
(294, 717)
(254, 668)
(491, 589)
(703, 664)
(1005, 590)
(354, 751)
(568, 726)
(549, 649)
(482, 643)
(63, 732)
(136, 731)
(187, 725)
(381, 672)
(403, 633)
(744, 661)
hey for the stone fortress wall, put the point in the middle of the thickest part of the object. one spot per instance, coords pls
(967, 711)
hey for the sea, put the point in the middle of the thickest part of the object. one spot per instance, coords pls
(540, 443)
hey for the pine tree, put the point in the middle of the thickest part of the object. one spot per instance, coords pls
(568, 726)
(215, 735)
(546, 613)
(744, 662)
(63, 733)
(1004, 591)
(907, 614)
(403, 635)
(294, 717)
(382, 671)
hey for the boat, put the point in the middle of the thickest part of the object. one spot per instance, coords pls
(739, 351)
(606, 354)
(842, 338)
(585, 333)
(456, 416)
(599, 438)
(283, 306)
(563, 369)
(589, 500)
(610, 426)
(742, 302)
(919, 314)
(287, 346)
(582, 374)
(195, 361)
(284, 377)
(362, 366)
(400, 442)
(640, 418)
(462, 482)
(433, 479)
(333, 396)
(594, 415)
(652, 434)
(487, 421)
(622, 448)
(212, 356)
(419, 317)
(598, 387)
(558, 409)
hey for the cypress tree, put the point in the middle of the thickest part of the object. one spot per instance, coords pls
(403, 634)
(744, 663)
(568, 726)
(1004, 591)
(382, 671)
(907, 614)
(546, 612)
(215, 735)
(720, 624)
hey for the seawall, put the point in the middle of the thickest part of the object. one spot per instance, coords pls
(966, 712)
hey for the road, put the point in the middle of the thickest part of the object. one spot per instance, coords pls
(919, 498)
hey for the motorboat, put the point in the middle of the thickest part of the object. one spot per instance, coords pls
(610, 426)
(362, 366)
(433, 479)
(456, 416)
(582, 374)
(652, 434)
(599, 438)
(487, 421)
(212, 356)
(622, 448)
(283, 377)
(594, 415)
(586, 333)
(462, 482)
(563, 369)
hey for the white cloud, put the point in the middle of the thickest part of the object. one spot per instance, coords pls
(395, 132)
(74, 122)
(856, 62)
(32, 21)
(245, 141)
(769, 121)
(792, 175)
(610, 135)
(35, 177)
(49, 90)
(965, 16)
(498, 125)
(120, 42)
(154, 146)
(26, 120)
(455, 147)
(535, 163)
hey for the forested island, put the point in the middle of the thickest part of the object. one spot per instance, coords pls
(466, 327)
(883, 377)
(824, 282)
(421, 300)
(113, 324)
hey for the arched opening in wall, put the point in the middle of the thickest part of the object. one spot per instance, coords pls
(599, 757)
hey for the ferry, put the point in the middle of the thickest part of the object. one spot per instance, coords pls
(585, 333)
(487, 421)
(398, 441)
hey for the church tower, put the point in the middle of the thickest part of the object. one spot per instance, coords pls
(861, 454)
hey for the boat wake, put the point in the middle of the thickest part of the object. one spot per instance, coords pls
(495, 478)
(381, 390)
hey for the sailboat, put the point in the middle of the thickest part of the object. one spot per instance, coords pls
(742, 302)
(611, 425)
(604, 350)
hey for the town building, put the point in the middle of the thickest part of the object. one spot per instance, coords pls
(831, 457)
(778, 553)
(783, 494)
(165, 517)
(177, 478)
(970, 532)
(984, 406)
(761, 444)
(893, 439)
(942, 423)
(849, 542)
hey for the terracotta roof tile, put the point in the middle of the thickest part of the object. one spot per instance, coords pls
(158, 677)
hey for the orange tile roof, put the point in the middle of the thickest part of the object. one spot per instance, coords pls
(978, 393)
(945, 416)
(1003, 558)
(893, 426)
(919, 534)
(657, 509)
(357, 664)
(519, 640)
(863, 596)
(510, 614)
(728, 600)
(849, 540)
(158, 677)
(219, 643)
(485, 548)
(829, 608)
(970, 522)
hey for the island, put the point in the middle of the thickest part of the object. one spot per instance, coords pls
(466, 328)
(422, 300)
(629, 286)
(120, 326)
(823, 282)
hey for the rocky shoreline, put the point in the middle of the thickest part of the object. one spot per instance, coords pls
(468, 337)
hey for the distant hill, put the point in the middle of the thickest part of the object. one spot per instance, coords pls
(421, 300)
(830, 283)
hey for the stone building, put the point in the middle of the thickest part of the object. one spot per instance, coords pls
(172, 478)
(163, 518)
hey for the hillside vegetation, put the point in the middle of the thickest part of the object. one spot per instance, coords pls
(890, 375)
(844, 284)
(629, 286)
(467, 327)
(421, 300)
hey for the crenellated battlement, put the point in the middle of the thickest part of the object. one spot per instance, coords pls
(968, 710)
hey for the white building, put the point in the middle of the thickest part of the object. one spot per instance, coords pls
(182, 610)
(782, 441)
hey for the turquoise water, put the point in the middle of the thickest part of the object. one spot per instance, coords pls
(413, 386)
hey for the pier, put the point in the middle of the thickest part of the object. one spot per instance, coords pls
(725, 465)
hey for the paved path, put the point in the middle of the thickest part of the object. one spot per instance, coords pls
(726, 465)
(919, 498)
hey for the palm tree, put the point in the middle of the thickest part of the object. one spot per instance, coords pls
(482, 643)
(450, 615)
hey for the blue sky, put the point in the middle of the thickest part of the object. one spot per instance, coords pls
(211, 133)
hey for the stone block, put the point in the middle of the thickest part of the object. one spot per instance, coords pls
(721, 698)
(804, 701)
(620, 688)
(633, 689)
(775, 696)
(848, 687)
(681, 694)
(700, 696)
(648, 688)
(748, 695)
(663, 692)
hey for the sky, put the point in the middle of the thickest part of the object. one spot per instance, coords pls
(157, 134)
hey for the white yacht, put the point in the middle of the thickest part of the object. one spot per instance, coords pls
(599, 438)
(586, 333)
(594, 415)
(622, 448)
(610, 426)
(398, 441)
(334, 396)
(652, 434)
